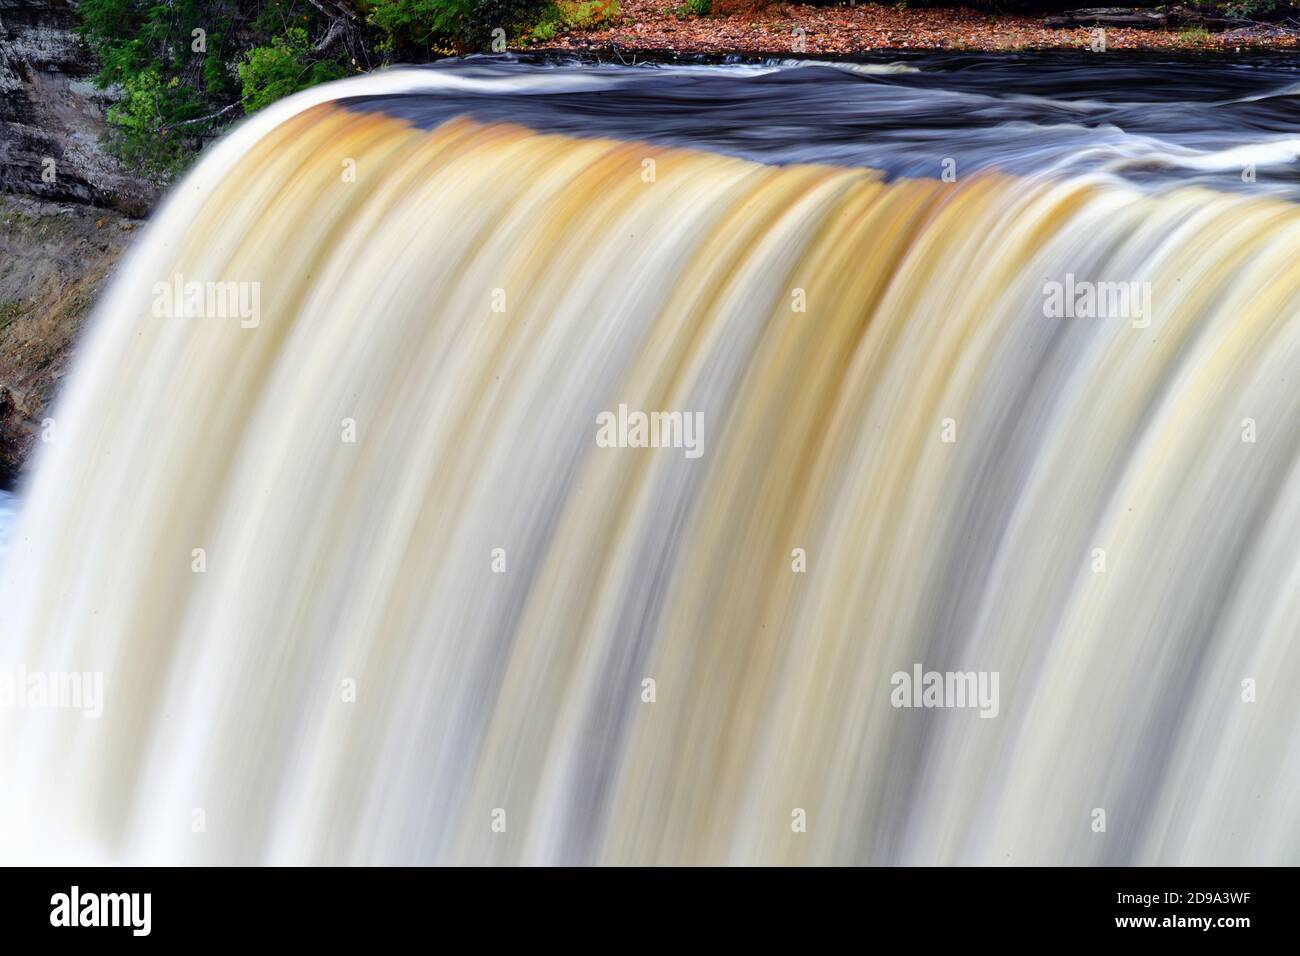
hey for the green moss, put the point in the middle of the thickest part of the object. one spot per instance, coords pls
(10, 311)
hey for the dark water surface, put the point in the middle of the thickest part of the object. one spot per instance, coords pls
(1152, 122)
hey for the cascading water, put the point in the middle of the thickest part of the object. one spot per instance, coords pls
(955, 377)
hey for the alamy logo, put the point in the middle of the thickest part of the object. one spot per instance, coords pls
(102, 909)
(1081, 299)
(634, 429)
(180, 299)
(53, 690)
(946, 689)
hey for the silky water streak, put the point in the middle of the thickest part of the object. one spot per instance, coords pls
(365, 588)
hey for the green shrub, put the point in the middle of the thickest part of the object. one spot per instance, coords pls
(450, 25)
(143, 118)
(588, 14)
(484, 16)
(188, 68)
(273, 72)
(184, 67)
(419, 23)
(1251, 9)
(574, 15)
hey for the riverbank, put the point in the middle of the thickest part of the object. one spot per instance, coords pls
(54, 261)
(788, 28)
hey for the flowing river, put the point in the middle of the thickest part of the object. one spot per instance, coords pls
(539, 461)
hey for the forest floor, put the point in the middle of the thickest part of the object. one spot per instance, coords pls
(663, 26)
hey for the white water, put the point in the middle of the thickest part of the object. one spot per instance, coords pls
(327, 561)
(8, 515)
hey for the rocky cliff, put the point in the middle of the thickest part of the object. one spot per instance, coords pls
(52, 116)
(67, 210)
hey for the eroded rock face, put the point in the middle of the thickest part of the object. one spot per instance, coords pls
(54, 261)
(67, 211)
(52, 116)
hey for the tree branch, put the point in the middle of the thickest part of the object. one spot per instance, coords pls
(338, 29)
(200, 119)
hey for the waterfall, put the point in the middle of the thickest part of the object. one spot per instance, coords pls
(461, 489)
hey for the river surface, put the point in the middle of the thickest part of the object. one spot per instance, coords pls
(1229, 124)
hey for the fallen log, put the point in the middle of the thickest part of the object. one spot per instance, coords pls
(1175, 16)
(1110, 17)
